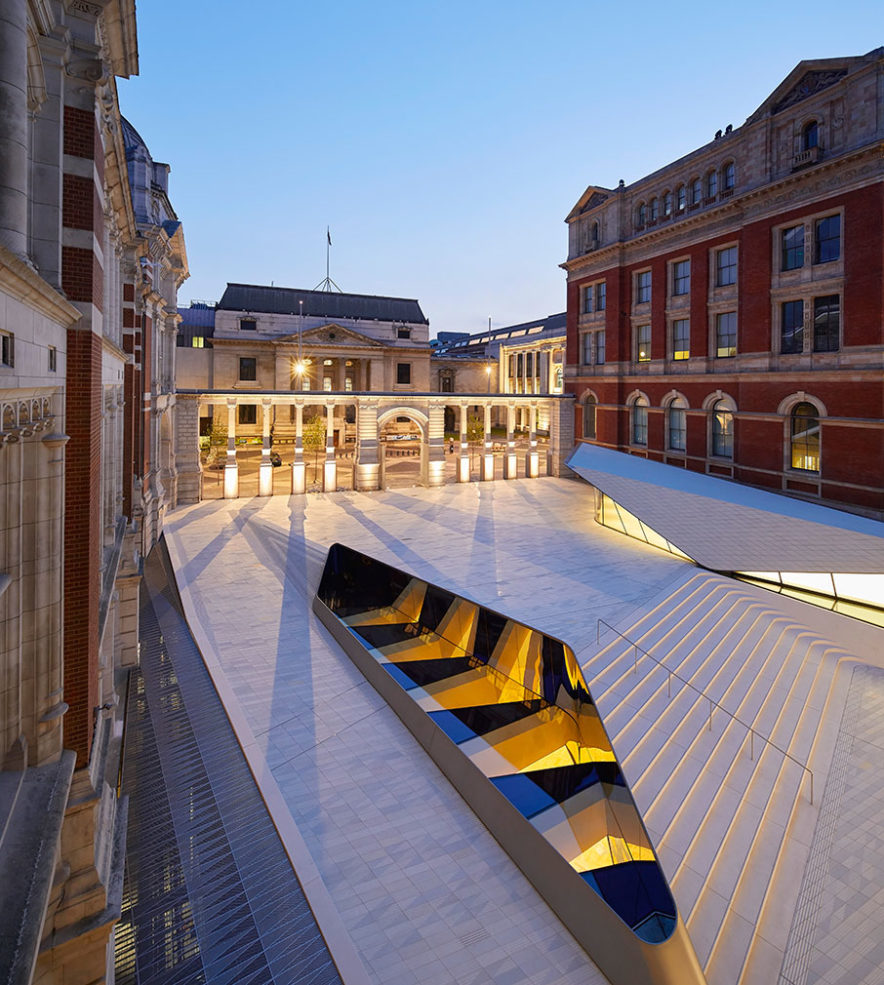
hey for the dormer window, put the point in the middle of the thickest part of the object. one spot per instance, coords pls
(248, 325)
(403, 333)
(810, 136)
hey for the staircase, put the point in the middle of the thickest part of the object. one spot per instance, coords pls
(718, 816)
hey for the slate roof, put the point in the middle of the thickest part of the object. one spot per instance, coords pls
(322, 304)
(476, 343)
(198, 316)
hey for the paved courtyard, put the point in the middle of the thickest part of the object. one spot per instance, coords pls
(421, 888)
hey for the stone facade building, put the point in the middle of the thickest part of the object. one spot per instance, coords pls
(84, 277)
(725, 313)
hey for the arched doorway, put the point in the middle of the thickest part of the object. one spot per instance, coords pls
(402, 448)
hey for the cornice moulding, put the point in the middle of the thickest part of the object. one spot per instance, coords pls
(28, 287)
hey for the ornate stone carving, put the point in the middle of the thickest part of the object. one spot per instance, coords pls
(810, 84)
(595, 199)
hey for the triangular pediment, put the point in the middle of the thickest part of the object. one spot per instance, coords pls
(331, 334)
(594, 196)
(808, 78)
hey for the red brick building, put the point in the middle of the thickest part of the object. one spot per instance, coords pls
(726, 313)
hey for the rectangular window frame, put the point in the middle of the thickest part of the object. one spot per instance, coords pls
(248, 324)
(643, 287)
(792, 247)
(726, 272)
(643, 343)
(7, 349)
(725, 341)
(827, 338)
(791, 327)
(403, 374)
(681, 338)
(823, 249)
(681, 277)
(247, 414)
(248, 369)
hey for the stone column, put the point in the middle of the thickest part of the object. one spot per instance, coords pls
(14, 126)
(265, 469)
(510, 469)
(367, 465)
(187, 449)
(330, 471)
(463, 464)
(299, 469)
(488, 456)
(436, 445)
(561, 435)
(231, 470)
(532, 465)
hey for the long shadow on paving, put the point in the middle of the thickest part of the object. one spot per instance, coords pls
(210, 895)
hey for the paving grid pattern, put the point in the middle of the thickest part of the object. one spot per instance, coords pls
(201, 847)
(417, 880)
(836, 935)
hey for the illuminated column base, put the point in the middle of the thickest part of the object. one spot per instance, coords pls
(532, 465)
(463, 468)
(436, 474)
(510, 466)
(299, 478)
(330, 477)
(231, 481)
(487, 467)
(368, 476)
(265, 479)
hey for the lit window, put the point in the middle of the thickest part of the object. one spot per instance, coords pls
(643, 287)
(712, 184)
(681, 198)
(676, 426)
(248, 325)
(681, 277)
(726, 267)
(643, 343)
(589, 416)
(403, 373)
(804, 434)
(327, 384)
(810, 136)
(248, 368)
(640, 421)
(827, 245)
(728, 176)
(348, 384)
(247, 413)
(403, 333)
(52, 359)
(681, 339)
(722, 430)
(792, 326)
(600, 296)
(827, 323)
(7, 349)
(726, 334)
(198, 342)
(793, 248)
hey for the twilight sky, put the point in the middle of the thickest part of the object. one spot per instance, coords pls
(443, 143)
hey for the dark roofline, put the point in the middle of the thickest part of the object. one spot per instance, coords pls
(325, 303)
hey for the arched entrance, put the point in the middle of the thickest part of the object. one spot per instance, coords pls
(402, 448)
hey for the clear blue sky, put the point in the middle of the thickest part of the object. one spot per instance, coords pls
(443, 143)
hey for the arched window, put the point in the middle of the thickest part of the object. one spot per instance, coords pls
(728, 177)
(722, 429)
(655, 209)
(590, 406)
(639, 424)
(804, 437)
(696, 191)
(681, 198)
(712, 184)
(594, 235)
(676, 424)
(641, 215)
(810, 135)
(667, 203)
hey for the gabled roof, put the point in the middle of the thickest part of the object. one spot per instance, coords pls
(594, 196)
(810, 77)
(332, 334)
(321, 304)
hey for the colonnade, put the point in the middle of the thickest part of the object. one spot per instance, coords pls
(373, 412)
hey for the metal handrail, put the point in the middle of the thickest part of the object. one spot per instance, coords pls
(752, 731)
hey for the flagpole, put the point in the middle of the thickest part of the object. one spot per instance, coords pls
(327, 251)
